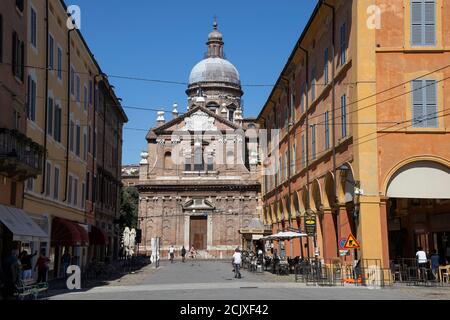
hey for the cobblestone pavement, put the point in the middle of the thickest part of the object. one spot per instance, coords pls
(208, 280)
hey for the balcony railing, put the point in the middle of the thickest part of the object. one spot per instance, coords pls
(19, 155)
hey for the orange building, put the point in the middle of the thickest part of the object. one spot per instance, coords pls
(361, 105)
(20, 156)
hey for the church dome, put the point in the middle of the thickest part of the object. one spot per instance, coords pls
(214, 69)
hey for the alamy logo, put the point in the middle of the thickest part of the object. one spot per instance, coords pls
(74, 278)
(74, 19)
(374, 19)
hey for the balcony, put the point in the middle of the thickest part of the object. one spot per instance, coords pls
(20, 157)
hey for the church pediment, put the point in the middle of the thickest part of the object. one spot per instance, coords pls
(198, 119)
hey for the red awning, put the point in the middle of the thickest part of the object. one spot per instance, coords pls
(68, 233)
(98, 236)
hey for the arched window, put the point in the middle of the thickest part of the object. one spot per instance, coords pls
(231, 115)
(168, 164)
(198, 157)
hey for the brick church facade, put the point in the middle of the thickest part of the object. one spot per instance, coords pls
(198, 180)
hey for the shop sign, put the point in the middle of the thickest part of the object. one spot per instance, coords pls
(310, 225)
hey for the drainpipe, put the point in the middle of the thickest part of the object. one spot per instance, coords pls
(46, 100)
(286, 80)
(68, 112)
(308, 207)
(333, 117)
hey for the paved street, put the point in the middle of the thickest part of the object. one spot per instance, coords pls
(206, 280)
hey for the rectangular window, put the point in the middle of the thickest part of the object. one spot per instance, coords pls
(344, 116)
(51, 52)
(302, 99)
(327, 130)
(71, 135)
(85, 101)
(89, 138)
(343, 44)
(95, 143)
(303, 152)
(33, 26)
(88, 182)
(313, 142)
(56, 184)
(78, 140)
(69, 192)
(83, 195)
(313, 84)
(187, 164)
(18, 57)
(20, 4)
(48, 177)
(50, 117)
(423, 22)
(78, 87)
(57, 124)
(84, 144)
(72, 81)
(325, 66)
(425, 107)
(75, 191)
(31, 112)
(59, 63)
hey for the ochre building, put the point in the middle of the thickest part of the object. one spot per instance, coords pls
(362, 105)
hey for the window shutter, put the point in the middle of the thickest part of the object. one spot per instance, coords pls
(430, 22)
(417, 19)
(431, 104)
(29, 98)
(418, 101)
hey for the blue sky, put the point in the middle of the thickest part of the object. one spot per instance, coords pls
(165, 39)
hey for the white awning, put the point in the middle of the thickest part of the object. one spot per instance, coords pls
(21, 225)
(285, 236)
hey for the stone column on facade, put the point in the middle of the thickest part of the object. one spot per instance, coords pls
(187, 221)
(370, 233)
(384, 231)
(329, 240)
(209, 236)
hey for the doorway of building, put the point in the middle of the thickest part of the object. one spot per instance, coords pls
(198, 232)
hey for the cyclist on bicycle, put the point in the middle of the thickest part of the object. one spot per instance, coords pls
(172, 253)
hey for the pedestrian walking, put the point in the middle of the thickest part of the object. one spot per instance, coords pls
(27, 266)
(192, 252)
(183, 254)
(65, 261)
(42, 267)
(171, 253)
(11, 270)
(435, 259)
(421, 258)
(237, 260)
